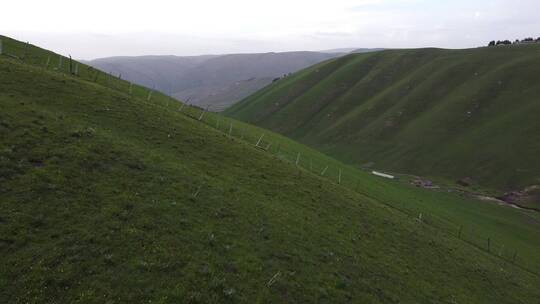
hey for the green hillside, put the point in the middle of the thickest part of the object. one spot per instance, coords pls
(111, 195)
(449, 114)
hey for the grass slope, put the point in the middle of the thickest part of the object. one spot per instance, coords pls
(432, 112)
(105, 197)
(511, 231)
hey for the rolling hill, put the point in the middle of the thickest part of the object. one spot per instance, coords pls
(446, 114)
(110, 192)
(215, 80)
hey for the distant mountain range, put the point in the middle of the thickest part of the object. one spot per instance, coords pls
(352, 50)
(212, 80)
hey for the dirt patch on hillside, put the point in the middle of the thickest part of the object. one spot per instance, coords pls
(528, 198)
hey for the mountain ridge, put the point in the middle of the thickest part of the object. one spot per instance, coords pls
(209, 80)
(419, 111)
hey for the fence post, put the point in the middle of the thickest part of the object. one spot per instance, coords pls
(339, 177)
(259, 141)
(76, 69)
(47, 63)
(60, 62)
(202, 114)
(149, 96)
(181, 107)
(25, 49)
(197, 192)
(297, 158)
(324, 170)
(70, 65)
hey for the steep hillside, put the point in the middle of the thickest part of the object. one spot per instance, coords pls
(111, 195)
(441, 113)
(217, 80)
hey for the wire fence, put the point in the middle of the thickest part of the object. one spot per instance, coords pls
(350, 178)
(281, 147)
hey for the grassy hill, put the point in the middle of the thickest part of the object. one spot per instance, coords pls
(110, 196)
(449, 114)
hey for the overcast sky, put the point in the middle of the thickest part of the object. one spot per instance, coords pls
(99, 28)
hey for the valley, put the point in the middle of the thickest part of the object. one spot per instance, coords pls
(114, 192)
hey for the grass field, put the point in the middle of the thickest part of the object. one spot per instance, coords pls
(510, 230)
(108, 197)
(446, 114)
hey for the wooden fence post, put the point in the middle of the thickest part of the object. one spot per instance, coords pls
(25, 49)
(48, 61)
(70, 65)
(324, 170)
(149, 96)
(181, 107)
(202, 114)
(197, 192)
(230, 129)
(339, 177)
(297, 158)
(60, 63)
(259, 141)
